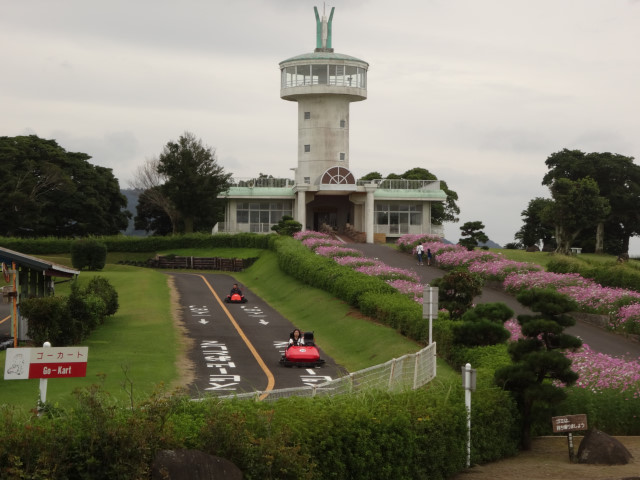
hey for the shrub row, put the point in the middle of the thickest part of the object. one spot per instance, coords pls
(69, 320)
(613, 275)
(121, 243)
(410, 435)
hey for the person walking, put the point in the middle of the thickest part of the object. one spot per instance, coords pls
(429, 257)
(420, 252)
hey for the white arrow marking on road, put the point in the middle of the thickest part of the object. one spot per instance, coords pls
(263, 322)
(311, 372)
(203, 321)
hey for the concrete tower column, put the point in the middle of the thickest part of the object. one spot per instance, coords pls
(368, 211)
(301, 210)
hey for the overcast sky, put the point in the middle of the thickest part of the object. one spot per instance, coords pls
(479, 92)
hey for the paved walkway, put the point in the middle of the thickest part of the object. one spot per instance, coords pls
(597, 338)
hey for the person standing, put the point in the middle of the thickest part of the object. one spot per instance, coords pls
(420, 252)
(429, 257)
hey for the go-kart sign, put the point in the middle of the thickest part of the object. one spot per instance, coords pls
(46, 362)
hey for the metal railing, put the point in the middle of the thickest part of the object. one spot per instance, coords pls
(407, 372)
(263, 182)
(402, 184)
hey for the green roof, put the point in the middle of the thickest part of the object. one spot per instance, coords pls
(323, 56)
(411, 193)
(260, 192)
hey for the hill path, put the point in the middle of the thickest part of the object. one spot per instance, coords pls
(598, 339)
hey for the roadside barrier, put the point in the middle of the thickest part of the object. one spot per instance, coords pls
(407, 372)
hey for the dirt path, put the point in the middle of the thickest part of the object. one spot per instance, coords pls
(549, 460)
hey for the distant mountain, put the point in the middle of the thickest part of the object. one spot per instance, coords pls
(490, 243)
(132, 203)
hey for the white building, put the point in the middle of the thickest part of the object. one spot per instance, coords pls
(324, 192)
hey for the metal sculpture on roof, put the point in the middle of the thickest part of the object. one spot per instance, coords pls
(323, 31)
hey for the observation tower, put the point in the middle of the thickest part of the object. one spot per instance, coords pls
(323, 83)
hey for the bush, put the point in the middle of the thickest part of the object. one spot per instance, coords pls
(101, 287)
(49, 320)
(88, 253)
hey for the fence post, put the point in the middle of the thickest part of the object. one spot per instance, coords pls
(415, 369)
(393, 368)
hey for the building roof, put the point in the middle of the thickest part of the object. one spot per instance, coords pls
(46, 267)
(323, 56)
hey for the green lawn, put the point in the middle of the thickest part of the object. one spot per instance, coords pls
(137, 348)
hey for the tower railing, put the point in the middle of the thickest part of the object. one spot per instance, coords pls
(402, 184)
(263, 182)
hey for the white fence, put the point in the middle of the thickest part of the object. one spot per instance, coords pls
(407, 372)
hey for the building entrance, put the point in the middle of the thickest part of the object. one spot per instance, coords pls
(325, 216)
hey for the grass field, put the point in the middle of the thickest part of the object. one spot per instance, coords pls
(135, 351)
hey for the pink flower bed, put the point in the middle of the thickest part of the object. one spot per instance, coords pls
(337, 251)
(627, 314)
(350, 261)
(463, 257)
(411, 239)
(310, 234)
(515, 282)
(313, 243)
(407, 287)
(499, 269)
(389, 273)
(600, 299)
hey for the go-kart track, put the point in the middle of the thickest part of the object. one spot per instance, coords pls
(237, 347)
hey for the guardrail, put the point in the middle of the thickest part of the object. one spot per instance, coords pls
(407, 372)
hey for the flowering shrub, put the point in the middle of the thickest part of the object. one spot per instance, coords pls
(310, 234)
(389, 273)
(516, 282)
(499, 269)
(598, 299)
(314, 242)
(599, 371)
(628, 317)
(337, 251)
(408, 287)
(463, 257)
(353, 262)
(409, 241)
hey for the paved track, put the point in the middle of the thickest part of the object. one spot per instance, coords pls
(237, 347)
(598, 339)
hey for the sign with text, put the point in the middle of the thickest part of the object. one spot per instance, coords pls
(46, 362)
(569, 423)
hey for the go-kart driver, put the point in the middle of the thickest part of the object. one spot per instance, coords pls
(235, 289)
(296, 339)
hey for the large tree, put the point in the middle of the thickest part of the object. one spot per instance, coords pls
(576, 205)
(440, 212)
(49, 191)
(618, 180)
(472, 235)
(194, 179)
(534, 228)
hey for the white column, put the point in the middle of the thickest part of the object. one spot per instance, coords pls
(368, 211)
(302, 208)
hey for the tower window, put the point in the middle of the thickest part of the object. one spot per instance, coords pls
(307, 148)
(342, 155)
(307, 115)
(342, 123)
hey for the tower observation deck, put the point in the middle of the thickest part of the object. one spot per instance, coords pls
(323, 83)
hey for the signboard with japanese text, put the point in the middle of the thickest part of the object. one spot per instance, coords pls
(569, 423)
(45, 362)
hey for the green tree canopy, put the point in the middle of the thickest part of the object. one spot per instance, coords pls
(49, 191)
(618, 180)
(193, 182)
(472, 234)
(440, 212)
(576, 205)
(534, 228)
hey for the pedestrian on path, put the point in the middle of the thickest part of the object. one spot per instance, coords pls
(428, 257)
(420, 252)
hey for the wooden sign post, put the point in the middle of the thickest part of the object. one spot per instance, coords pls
(569, 424)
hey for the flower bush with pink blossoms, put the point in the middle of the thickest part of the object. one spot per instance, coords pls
(337, 251)
(463, 257)
(598, 299)
(310, 234)
(410, 240)
(628, 318)
(408, 288)
(389, 273)
(353, 262)
(313, 243)
(516, 282)
(499, 269)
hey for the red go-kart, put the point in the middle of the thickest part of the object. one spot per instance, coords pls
(306, 355)
(235, 298)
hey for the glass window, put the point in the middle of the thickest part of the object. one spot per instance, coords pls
(242, 216)
(415, 218)
(342, 156)
(336, 75)
(342, 123)
(350, 76)
(307, 148)
(320, 74)
(382, 218)
(307, 115)
(254, 216)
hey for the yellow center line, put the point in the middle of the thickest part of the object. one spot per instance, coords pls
(271, 380)
(5, 319)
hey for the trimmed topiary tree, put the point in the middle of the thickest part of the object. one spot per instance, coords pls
(88, 253)
(538, 358)
(457, 289)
